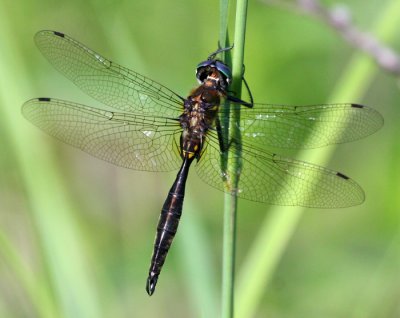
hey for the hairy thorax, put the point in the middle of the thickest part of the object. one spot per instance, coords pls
(201, 108)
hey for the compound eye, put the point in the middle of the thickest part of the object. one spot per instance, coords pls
(201, 70)
(204, 64)
(225, 70)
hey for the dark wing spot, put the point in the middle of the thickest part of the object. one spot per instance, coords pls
(59, 34)
(357, 106)
(342, 176)
(44, 99)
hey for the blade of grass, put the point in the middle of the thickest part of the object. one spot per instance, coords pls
(223, 23)
(234, 164)
(59, 235)
(281, 222)
(197, 262)
(33, 285)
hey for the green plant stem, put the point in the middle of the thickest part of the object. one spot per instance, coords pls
(281, 222)
(233, 167)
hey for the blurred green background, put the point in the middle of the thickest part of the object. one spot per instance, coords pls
(76, 233)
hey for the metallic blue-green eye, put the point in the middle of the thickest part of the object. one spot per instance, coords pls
(204, 64)
(224, 69)
(220, 66)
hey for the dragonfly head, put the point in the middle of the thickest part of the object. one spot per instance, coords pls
(212, 68)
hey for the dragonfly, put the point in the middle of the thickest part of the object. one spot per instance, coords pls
(144, 125)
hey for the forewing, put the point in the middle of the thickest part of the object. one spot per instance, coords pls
(106, 81)
(128, 140)
(270, 178)
(295, 127)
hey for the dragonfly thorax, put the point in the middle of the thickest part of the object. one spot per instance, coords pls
(200, 110)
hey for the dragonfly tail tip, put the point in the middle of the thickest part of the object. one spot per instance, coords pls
(151, 283)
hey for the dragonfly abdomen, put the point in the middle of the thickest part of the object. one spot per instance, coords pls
(168, 224)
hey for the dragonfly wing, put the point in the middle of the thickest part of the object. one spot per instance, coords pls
(270, 178)
(295, 127)
(106, 81)
(128, 140)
